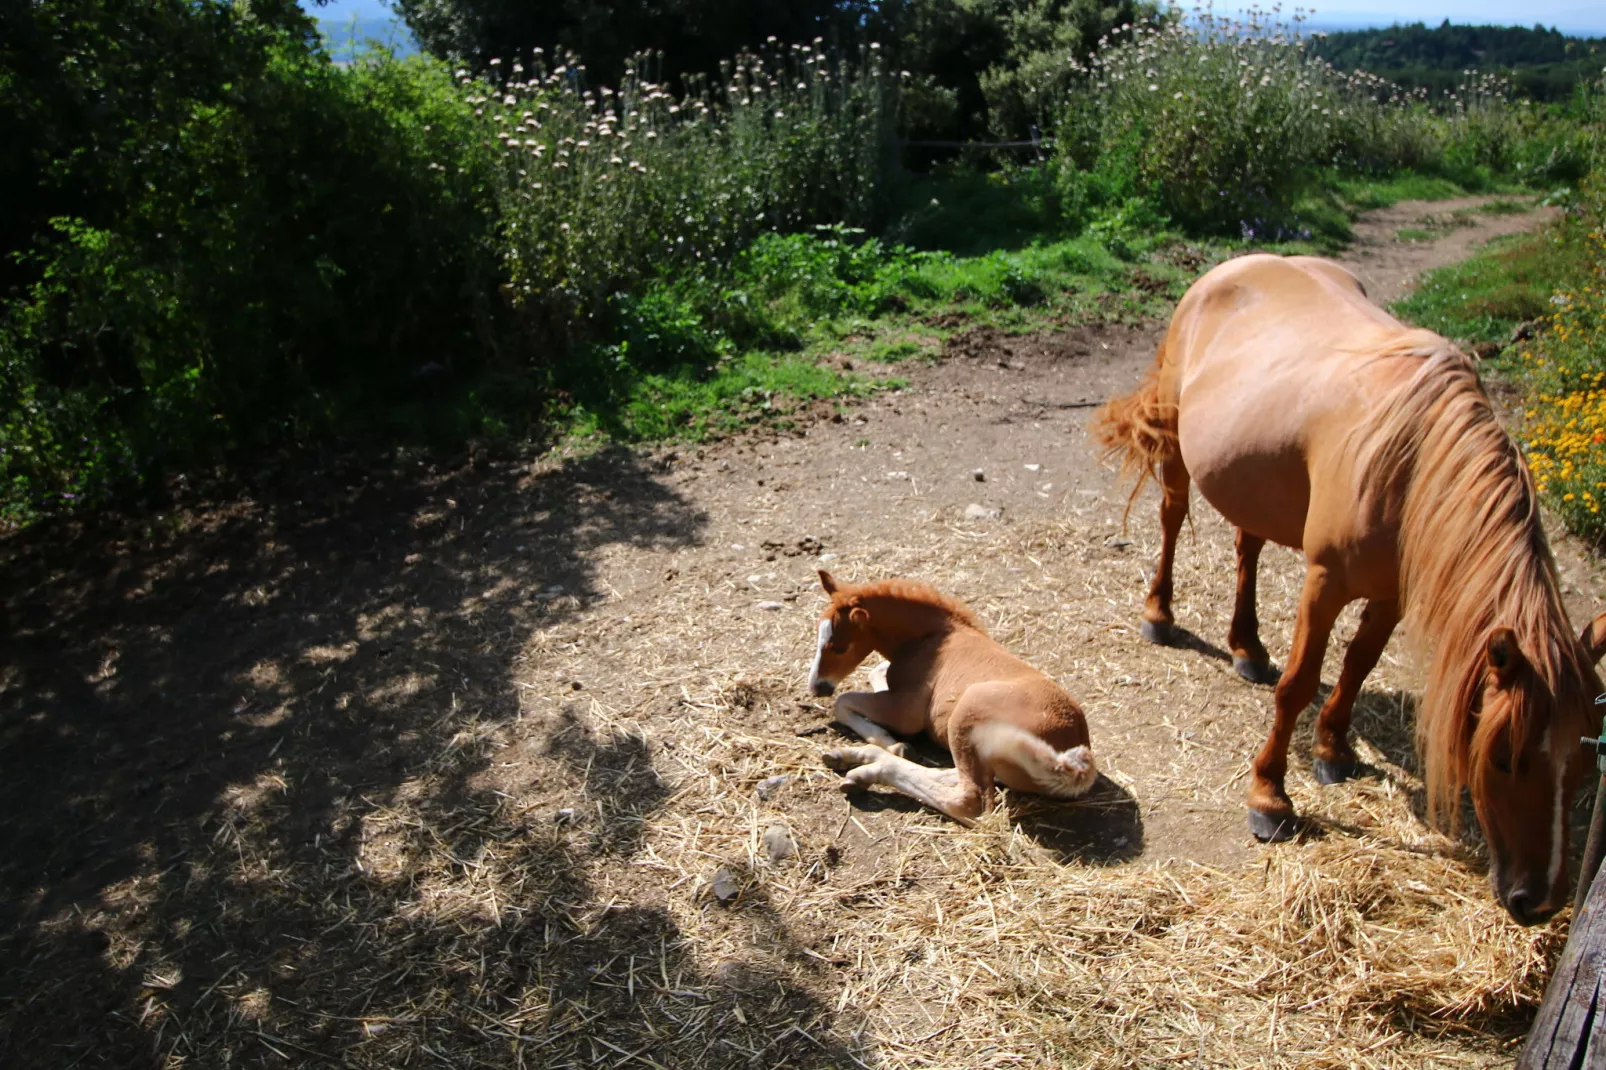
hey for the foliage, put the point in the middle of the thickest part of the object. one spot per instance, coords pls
(602, 191)
(237, 255)
(993, 68)
(691, 37)
(1541, 63)
(1564, 371)
(1227, 126)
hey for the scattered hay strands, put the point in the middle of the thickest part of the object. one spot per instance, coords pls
(542, 892)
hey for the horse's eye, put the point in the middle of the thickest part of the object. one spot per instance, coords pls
(1500, 757)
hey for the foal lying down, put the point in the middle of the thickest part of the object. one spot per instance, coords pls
(1002, 720)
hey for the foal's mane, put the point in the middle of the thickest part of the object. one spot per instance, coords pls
(904, 590)
(1473, 557)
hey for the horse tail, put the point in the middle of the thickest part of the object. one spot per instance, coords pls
(1061, 774)
(1140, 428)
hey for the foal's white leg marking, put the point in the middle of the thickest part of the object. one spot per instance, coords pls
(819, 652)
(878, 676)
(936, 788)
(862, 726)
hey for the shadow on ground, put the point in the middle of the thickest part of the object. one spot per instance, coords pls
(238, 748)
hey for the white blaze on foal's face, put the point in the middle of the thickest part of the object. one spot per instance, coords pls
(820, 684)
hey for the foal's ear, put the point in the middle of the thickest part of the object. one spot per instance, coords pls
(1594, 638)
(859, 615)
(1506, 658)
(826, 581)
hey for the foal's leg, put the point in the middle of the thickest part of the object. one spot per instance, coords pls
(1174, 484)
(1249, 657)
(865, 712)
(1271, 813)
(940, 789)
(1334, 760)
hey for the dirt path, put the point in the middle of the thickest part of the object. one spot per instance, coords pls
(380, 766)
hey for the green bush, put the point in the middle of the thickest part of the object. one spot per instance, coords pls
(603, 191)
(279, 257)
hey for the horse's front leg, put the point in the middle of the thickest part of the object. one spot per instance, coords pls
(1333, 758)
(1271, 813)
(868, 714)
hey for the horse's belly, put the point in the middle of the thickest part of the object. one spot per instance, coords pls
(1259, 485)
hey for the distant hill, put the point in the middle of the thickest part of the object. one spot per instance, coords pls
(1545, 64)
(348, 37)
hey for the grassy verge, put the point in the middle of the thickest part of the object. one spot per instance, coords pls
(1484, 299)
(1536, 304)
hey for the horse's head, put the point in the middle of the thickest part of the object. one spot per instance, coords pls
(1524, 762)
(845, 639)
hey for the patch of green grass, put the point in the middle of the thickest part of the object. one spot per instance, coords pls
(1503, 207)
(1363, 193)
(1509, 281)
(885, 352)
(1412, 234)
(754, 388)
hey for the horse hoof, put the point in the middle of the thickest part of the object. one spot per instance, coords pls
(1256, 672)
(1157, 632)
(1273, 828)
(1330, 773)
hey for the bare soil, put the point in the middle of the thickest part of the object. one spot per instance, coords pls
(423, 764)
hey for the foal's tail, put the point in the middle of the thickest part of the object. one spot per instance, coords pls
(1060, 774)
(1140, 428)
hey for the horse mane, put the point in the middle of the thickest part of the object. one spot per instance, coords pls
(1473, 557)
(906, 590)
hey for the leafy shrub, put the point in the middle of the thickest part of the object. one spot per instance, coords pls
(601, 191)
(267, 256)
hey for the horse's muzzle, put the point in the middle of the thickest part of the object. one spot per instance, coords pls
(822, 688)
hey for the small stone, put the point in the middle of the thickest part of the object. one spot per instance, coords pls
(564, 816)
(725, 887)
(767, 787)
(1033, 467)
(979, 475)
(779, 843)
(892, 476)
(974, 511)
(771, 606)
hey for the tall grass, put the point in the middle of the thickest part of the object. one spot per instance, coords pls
(603, 189)
(1224, 124)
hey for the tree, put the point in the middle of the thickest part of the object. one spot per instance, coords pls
(693, 35)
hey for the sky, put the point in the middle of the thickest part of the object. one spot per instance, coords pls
(1569, 16)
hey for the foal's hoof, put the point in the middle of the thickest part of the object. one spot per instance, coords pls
(1329, 773)
(845, 758)
(1256, 672)
(1160, 633)
(1273, 828)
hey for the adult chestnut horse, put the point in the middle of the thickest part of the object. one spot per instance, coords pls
(1309, 416)
(1000, 718)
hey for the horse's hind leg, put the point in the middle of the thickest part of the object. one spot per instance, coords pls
(1271, 813)
(1249, 657)
(1333, 760)
(1174, 485)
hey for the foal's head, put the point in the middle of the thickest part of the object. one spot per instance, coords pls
(845, 637)
(1523, 763)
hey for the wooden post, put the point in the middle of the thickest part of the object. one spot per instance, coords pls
(1570, 1032)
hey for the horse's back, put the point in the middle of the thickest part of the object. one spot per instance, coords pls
(1271, 360)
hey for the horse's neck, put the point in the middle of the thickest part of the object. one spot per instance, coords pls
(899, 622)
